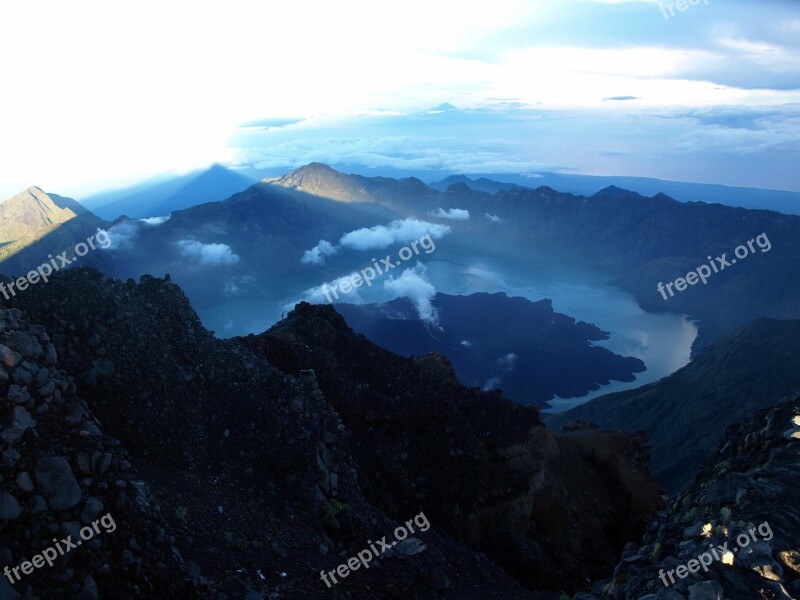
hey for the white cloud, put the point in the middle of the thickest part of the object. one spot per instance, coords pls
(153, 221)
(316, 256)
(454, 214)
(413, 285)
(493, 218)
(466, 343)
(397, 232)
(379, 236)
(208, 254)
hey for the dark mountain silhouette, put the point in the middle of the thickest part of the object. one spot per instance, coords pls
(643, 241)
(523, 347)
(686, 413)
(165, 195)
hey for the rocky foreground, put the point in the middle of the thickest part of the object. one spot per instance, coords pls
(748, 491)
(60, 473)
(242, 468)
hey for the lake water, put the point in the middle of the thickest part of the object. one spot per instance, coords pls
(663, 341)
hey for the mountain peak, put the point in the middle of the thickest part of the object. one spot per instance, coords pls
(32, 193)
(444, 107)
(31, 215)
(322, 180)
(663, 197)
(316, 167)
(30, 196)
(612, 191)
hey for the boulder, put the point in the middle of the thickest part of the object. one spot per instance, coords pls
(54, 475)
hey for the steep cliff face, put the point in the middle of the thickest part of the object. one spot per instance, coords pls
(483, 468)
(737, 526)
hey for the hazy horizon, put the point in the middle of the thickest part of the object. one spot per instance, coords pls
(594, 87)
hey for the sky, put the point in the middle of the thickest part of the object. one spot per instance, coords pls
(97, 95)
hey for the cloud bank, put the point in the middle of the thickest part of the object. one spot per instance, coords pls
(401, 231)
(397, 232)
(207, 254)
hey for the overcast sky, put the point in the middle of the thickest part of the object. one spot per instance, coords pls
(96, 94)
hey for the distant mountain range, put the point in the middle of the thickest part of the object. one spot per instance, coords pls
(639, 241)
(588, 185)
(165, 194)
(482, 184)
(636, 240)
(687, 412)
